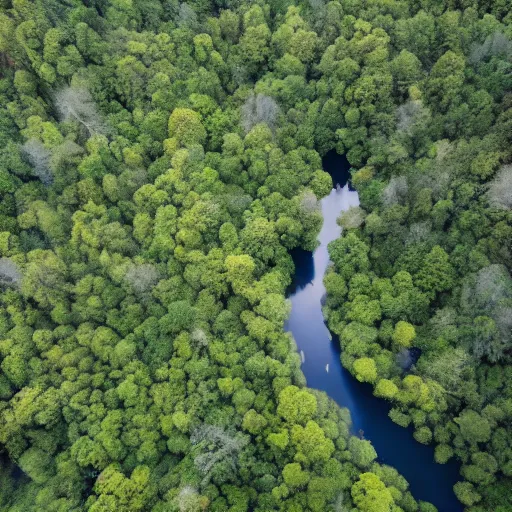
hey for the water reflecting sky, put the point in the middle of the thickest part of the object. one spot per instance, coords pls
(395, 445)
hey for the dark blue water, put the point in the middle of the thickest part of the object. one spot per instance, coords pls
(395, 445)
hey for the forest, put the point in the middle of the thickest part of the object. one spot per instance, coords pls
(160, 159)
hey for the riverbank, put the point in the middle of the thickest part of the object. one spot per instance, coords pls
(323, 369)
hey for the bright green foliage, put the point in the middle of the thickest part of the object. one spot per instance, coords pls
(186, 127)
(294, 477)
(363, 453)
(121, 493)
(158, 163)
(437, 273)
(365, 369)
(279, 439)
(37, 464)
(386, 389)
(466, 493)
(296, 405)
(473, 427)
(349, 255)
(423, 435)
(443, 453)
(311, 443)
(420, 285)
(370, 494)
(253, 422)
(404, 334)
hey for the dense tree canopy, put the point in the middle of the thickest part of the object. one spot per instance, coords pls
(158, 162)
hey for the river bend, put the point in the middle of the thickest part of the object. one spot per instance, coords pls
(323, 370)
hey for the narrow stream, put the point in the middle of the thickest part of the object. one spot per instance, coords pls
(395, 445)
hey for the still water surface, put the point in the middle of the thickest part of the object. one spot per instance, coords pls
(395, 445)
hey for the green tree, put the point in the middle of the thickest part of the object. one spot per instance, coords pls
(350, 255)
(466, 493)
(294, 476)
(186, 127)
(253, 422)
(404, 334)
(386, 389)
(365, 369)
(37, 464)
(363, 453)
(370, 494)
(473, 427)
(437, 273)
(115, 491)
(296, 405)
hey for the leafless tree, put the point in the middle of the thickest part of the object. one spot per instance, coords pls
(199, 338)
(352, 218)
(339, 505)
(44, 162)
(493, 284)
(418, 232)
(500, 189)
(142, 278)
(436, 177)
(39, 158)
(187, 18)
(319, 13)
(396, 191)
(259, 109)
(487, 298)
(503, 319)
(309, 203)
(188, 500)
(495, 44)
(317, 4)
(487, 340)
(484, 291)
(448, 368)
(76, 103)
(237, 202)
(217, 446)
(239, 73)
(444, 318)
(500, 44)
(9, 274)
(408, 113)
(443, 149)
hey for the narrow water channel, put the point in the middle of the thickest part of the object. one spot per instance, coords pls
(323, 370)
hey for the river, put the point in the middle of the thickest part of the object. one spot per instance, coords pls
(395, 445)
